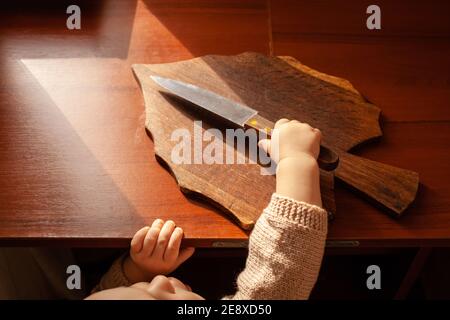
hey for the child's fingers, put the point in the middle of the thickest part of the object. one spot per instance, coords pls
(185, 254)
(173, 247)
(265, 145)
(151, 237)
(138, 240)
(158, 223)
(163, 239)
(280, 122)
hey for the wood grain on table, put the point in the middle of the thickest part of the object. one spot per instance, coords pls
(76, 165)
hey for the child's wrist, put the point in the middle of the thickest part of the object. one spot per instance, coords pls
(298, 161)
(298, 178)
(133, 272)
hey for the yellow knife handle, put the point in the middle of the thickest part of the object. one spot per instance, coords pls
(328, 159)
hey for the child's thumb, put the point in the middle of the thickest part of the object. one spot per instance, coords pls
(265, 145)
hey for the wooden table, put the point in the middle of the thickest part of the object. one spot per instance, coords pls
(76, 165)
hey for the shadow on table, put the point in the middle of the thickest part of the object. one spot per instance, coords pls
(105, 29)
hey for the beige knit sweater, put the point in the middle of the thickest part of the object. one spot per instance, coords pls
(285, 253)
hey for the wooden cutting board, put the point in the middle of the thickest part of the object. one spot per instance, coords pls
(278, 87)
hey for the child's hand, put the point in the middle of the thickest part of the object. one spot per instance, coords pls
(292, 139)
(155, 250)
(295, 147)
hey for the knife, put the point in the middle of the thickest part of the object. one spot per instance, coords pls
(241, 115)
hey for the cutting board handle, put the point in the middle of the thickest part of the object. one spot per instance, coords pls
(392, 187)
(328, 160)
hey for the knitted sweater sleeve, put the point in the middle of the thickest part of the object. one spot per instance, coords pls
(285, 251)
(114, 277)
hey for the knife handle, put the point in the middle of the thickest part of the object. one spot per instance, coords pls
(328, 159)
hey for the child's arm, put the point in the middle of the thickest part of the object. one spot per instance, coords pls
(287, 243)
(155, 250)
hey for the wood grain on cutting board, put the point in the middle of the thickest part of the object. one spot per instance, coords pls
(277, 88)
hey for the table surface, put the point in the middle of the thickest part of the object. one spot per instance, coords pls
(77, 167)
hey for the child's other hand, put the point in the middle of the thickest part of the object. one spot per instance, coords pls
(155, 250)
(292, 139)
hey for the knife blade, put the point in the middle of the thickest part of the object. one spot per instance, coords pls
(237, 113)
